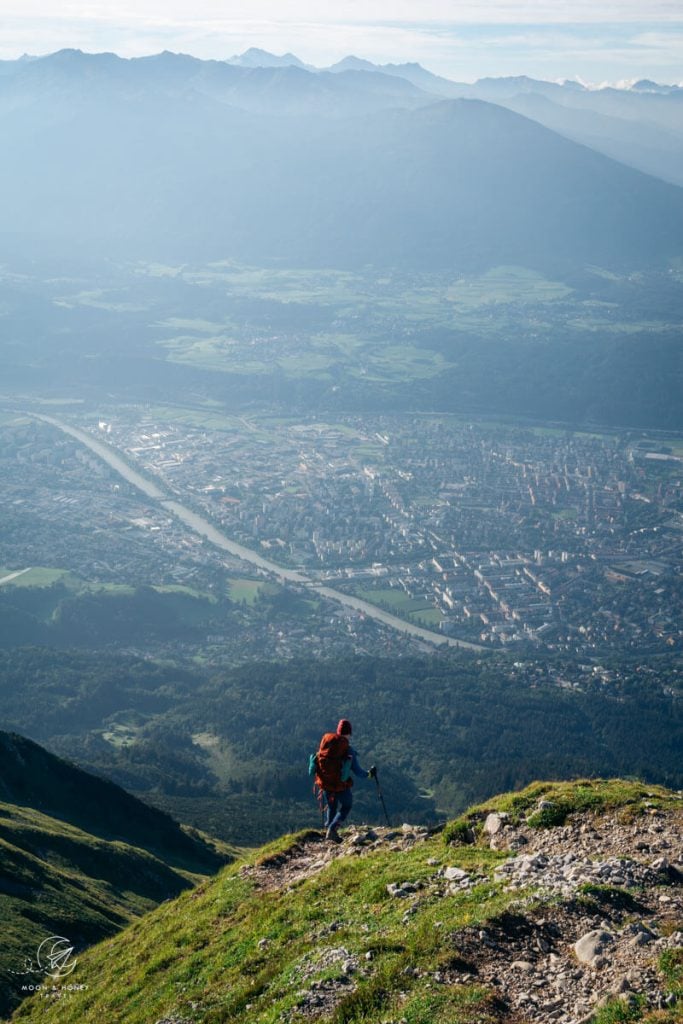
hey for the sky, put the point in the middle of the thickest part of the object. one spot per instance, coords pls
(595, 41)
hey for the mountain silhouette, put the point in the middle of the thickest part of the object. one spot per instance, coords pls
(171, 157)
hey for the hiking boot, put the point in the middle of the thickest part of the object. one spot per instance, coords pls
(333, 835)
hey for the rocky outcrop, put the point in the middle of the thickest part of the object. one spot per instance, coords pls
(600, 900)
(595, 903)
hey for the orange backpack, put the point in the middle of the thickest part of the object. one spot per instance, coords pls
(332, 763)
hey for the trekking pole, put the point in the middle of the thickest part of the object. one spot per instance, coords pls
(381, 798)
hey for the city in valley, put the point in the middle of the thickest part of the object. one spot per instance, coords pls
(364, 532)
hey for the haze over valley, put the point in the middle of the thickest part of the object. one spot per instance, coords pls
(330, 391)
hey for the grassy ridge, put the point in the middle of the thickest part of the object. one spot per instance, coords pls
(56, 878)
(79, 857)
(201, 954)
(235, 951)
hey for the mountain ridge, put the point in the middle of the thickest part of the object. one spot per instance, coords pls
(562, 896)
(34, 778)
(572, 109)
(80, 855)
(194, 174)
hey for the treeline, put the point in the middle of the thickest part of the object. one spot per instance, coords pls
(229, 751)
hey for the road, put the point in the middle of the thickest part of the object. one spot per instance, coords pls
(206, 529)
(13, 575)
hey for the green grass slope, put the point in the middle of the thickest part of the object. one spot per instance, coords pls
(302, 931)
(79, 857)
(30, 776)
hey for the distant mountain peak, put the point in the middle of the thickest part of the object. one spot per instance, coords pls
(70, 57)
(408, 65)
(509, 79)
(647, 85)
(257, 58)
(353, 63)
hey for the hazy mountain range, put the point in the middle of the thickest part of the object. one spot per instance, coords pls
(173, 157)
(640, 124)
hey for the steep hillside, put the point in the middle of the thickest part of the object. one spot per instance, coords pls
(560, 903)
(79, 858)
(31, 777)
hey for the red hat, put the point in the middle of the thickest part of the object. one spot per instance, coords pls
(344, 727)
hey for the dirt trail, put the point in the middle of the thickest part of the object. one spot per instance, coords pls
(312, 853)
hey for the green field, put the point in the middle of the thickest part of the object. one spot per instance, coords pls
(399, 363)
(217, 353)
(399, 603)
(208, 418)
(566, 514)
(373, 362)
(39, 577)
(120, 734)
(177, 588)
(419, 611)
(429, 617)
(98, 299)
(514, 285)
(249, 591)
(372, 351)
(302, 286)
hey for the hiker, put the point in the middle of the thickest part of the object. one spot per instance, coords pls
(335, 761)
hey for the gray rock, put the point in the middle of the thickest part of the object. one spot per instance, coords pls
(494, 823)
(591, 945)
(455, 874)
(619, 986)
(518, 841)
(394, 889)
